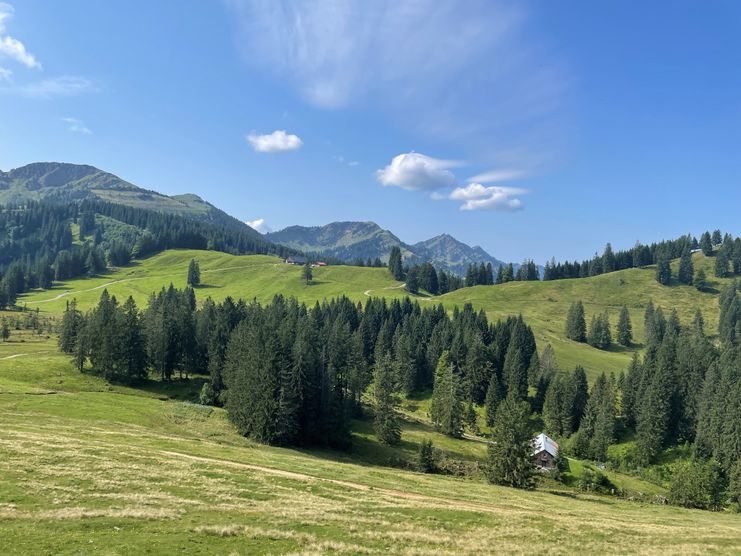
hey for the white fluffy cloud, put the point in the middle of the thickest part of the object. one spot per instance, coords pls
(417, 172)
(77, 126)
(479, 197)
(13, 48)
(5, 74)
(276, 142)
(259, 225)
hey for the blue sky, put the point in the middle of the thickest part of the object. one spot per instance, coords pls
(534, 129)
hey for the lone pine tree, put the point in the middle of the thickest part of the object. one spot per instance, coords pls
(576, 324)
(624, 328)
(194, 273)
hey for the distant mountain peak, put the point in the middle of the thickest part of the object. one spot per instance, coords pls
(350, 241)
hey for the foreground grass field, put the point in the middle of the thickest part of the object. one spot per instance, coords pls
(86, 467)
(543, 304)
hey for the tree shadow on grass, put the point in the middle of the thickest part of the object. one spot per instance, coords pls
(182, 389)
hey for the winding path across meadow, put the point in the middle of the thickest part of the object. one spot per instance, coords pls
(101, 286)
(367, 293)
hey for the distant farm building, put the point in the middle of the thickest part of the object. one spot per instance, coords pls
(321, 263)
(545, 452)
(296, 260)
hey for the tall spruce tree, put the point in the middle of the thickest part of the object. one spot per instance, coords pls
(446, 409)
(657, 406)
(517, 360)
(509, 461)
(608, 259)
(580, 395)
(624, 328)
(663, 268)
(386, 421)
(71, 322)
(396, 267)
(194, 274)
(721, 262)
(599, 332)
(706, 244)
(686, 271)
(576, 324)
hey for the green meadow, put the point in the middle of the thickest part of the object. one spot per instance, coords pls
(86, 467)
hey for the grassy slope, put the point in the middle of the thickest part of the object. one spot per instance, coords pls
(543, 304)
(88, 467)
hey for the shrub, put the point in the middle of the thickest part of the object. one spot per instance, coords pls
(207, 395)
(698, 485)
(426, 457)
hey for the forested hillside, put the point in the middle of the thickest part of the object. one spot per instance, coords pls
(45, 242)
(61, 182)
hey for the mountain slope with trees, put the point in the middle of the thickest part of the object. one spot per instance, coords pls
(62, 182)
(367, 241)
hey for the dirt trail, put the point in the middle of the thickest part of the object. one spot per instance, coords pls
(367, 293)
(101, 286)
(23, 354)
(70, 292)
(458, 504)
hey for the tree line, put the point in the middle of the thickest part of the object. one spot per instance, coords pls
(661, 253)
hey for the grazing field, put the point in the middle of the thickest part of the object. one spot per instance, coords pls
(86, 467)
(543, 304)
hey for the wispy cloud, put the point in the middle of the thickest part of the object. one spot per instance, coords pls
(259, 224)
(494, 176)
(10, 47)
(77, 126)
(53, 87)
(341, 159)
(417, 172)
(276, 142)
(475, 74)
(13, 49)
(6, 13)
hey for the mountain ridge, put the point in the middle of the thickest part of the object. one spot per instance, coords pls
(62, 181)
(351, 240)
